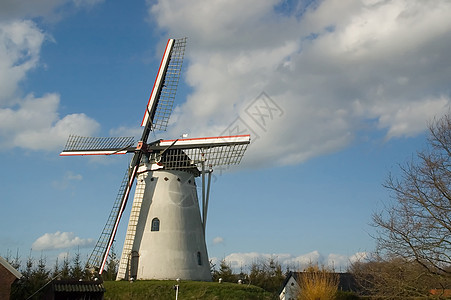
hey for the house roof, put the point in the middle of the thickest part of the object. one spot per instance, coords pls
(78, 286)
(10, 268)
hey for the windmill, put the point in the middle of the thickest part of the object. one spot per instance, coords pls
(165, 236)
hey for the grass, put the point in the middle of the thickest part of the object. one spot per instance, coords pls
(160, 289)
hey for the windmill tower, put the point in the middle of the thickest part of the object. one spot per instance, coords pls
(165, 236)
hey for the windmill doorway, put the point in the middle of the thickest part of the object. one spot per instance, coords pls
(133, 265)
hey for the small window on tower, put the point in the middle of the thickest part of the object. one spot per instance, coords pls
(155, 225)
(199, 259)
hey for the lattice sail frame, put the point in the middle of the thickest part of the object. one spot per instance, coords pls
(97, 254)
(211, 151)
(161, 100)
(81, 145)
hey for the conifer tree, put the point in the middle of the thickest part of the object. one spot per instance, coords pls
(225, 272)
(76, 271)
(65, 269)
(112, 265)
(56, 270)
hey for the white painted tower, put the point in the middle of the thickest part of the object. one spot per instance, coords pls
(169, 241)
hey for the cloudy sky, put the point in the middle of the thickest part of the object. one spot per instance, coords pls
(334, 94)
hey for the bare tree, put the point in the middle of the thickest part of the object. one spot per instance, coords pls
(417, 227)
(394, 277)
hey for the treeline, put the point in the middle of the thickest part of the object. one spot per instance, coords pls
(375, 277)
(36, 274)
(266, 274)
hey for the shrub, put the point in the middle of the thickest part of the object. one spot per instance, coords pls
(318, 284)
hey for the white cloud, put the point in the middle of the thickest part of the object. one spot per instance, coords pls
(218, 240)
(331, 68)
(62, 256)
(71, 176)
(342, 262)
(30, 122)
(244, 261)
(87, 3)
(127, 131)
(49, 9)
(411, 119)
(359, 256)
(224, 18)
(60, 240)
(18, 9)
(36, 125)
(66, 181)
(306, 259)
(20, 45)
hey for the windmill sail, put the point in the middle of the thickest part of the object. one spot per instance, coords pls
(97, 255)
(161, 100)
(80, 145)
(211, 151)
(156, 117)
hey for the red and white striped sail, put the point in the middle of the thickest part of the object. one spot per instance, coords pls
(157, 86)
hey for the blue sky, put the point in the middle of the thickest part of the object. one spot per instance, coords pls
(352, 83)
